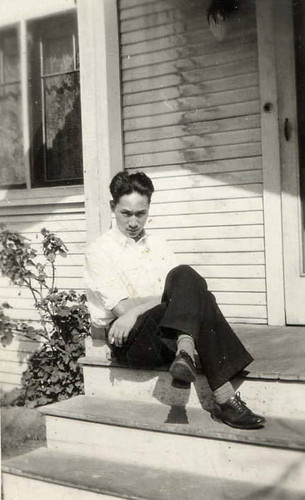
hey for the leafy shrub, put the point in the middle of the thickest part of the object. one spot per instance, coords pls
(53, 373)
(7, 326)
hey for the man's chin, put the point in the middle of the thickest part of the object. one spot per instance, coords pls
(135, 234)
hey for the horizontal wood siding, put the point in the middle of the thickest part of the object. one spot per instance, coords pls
(67, 219)
(191, 121)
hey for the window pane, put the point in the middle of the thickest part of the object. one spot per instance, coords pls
(63, 127)
(58, 55)
(12, 171)
(56, 149)
(10, 59)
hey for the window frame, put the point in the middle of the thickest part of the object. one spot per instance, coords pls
(41, 31)
(15, 194)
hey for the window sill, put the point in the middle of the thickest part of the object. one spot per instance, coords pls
(42, 196)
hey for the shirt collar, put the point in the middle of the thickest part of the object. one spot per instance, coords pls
(126, 240)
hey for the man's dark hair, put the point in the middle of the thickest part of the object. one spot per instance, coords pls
(125, 183)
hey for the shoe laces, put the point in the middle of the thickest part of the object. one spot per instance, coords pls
(186, 355)
(239, 404)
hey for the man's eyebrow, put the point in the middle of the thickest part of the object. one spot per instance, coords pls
(126, 211)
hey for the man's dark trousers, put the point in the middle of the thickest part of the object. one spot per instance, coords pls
(187, 307)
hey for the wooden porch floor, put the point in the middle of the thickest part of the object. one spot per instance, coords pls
(278, 352)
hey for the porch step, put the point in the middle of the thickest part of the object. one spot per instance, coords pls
(178, 439)
(107, 379)
(50, 474)
(170, 419)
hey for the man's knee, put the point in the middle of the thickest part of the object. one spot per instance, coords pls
(183, 271)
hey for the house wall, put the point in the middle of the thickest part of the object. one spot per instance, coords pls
(59, 209)
(191, 120)
(65, 216)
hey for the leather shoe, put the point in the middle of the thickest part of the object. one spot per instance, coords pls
(183, 369)
(236, 414)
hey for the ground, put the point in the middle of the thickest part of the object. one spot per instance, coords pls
(22, 429)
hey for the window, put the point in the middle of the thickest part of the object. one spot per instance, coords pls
(53, 102)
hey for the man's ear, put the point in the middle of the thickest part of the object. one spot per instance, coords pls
(112, 205)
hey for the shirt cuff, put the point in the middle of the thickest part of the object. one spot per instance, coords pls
(112, 301)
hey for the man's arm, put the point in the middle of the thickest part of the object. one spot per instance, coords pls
(139, 304)
(127, 312)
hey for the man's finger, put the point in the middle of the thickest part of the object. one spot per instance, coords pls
(126, 335)
(118, 338)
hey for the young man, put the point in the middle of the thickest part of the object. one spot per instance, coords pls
(157, 312)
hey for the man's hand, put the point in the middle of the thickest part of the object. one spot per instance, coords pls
(120, 329)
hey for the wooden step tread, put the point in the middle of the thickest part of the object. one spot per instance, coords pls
(278, 352)
(278, 433)
(128, 481)
(258, 370)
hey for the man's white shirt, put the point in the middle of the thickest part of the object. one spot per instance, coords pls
(118, 267)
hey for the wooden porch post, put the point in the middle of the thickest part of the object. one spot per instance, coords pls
(101, 107)
(271, 162)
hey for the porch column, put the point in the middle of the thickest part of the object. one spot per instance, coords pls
(101, 107)
(271, 162)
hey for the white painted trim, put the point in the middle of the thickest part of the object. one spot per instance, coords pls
(45, 195)
(271, 163)
(291, 203)
(101, 107)
(13, 11)
(25, 100)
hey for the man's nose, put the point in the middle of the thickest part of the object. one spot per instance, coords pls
(133, 221)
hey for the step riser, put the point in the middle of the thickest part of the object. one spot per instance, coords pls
(33, 489)
(251, 464)
(276, 399)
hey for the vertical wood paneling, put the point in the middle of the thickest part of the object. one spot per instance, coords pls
(191, 121)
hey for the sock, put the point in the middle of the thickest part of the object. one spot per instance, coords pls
(224, 393)
(186, 343)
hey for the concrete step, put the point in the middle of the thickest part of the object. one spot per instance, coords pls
(65, 476)
(179, 439)
(106, 378)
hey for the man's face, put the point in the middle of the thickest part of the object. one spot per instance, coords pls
(131, 214)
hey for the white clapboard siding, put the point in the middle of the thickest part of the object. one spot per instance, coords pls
(208, 167)
(233, 284)
(246, 298)
(12, 366)
(170, 93)
(213, 219)
(46, 209)
(66, 218)
(197, 141)
(221, 259)
(24, 346)
(206, 206)
(191, 121)
(217, 246)
(208, 153)
(210, 76)
(184, 51)
(219, 192)
(199, 128)
(193, 115)
(13, 361)
(192, 102)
